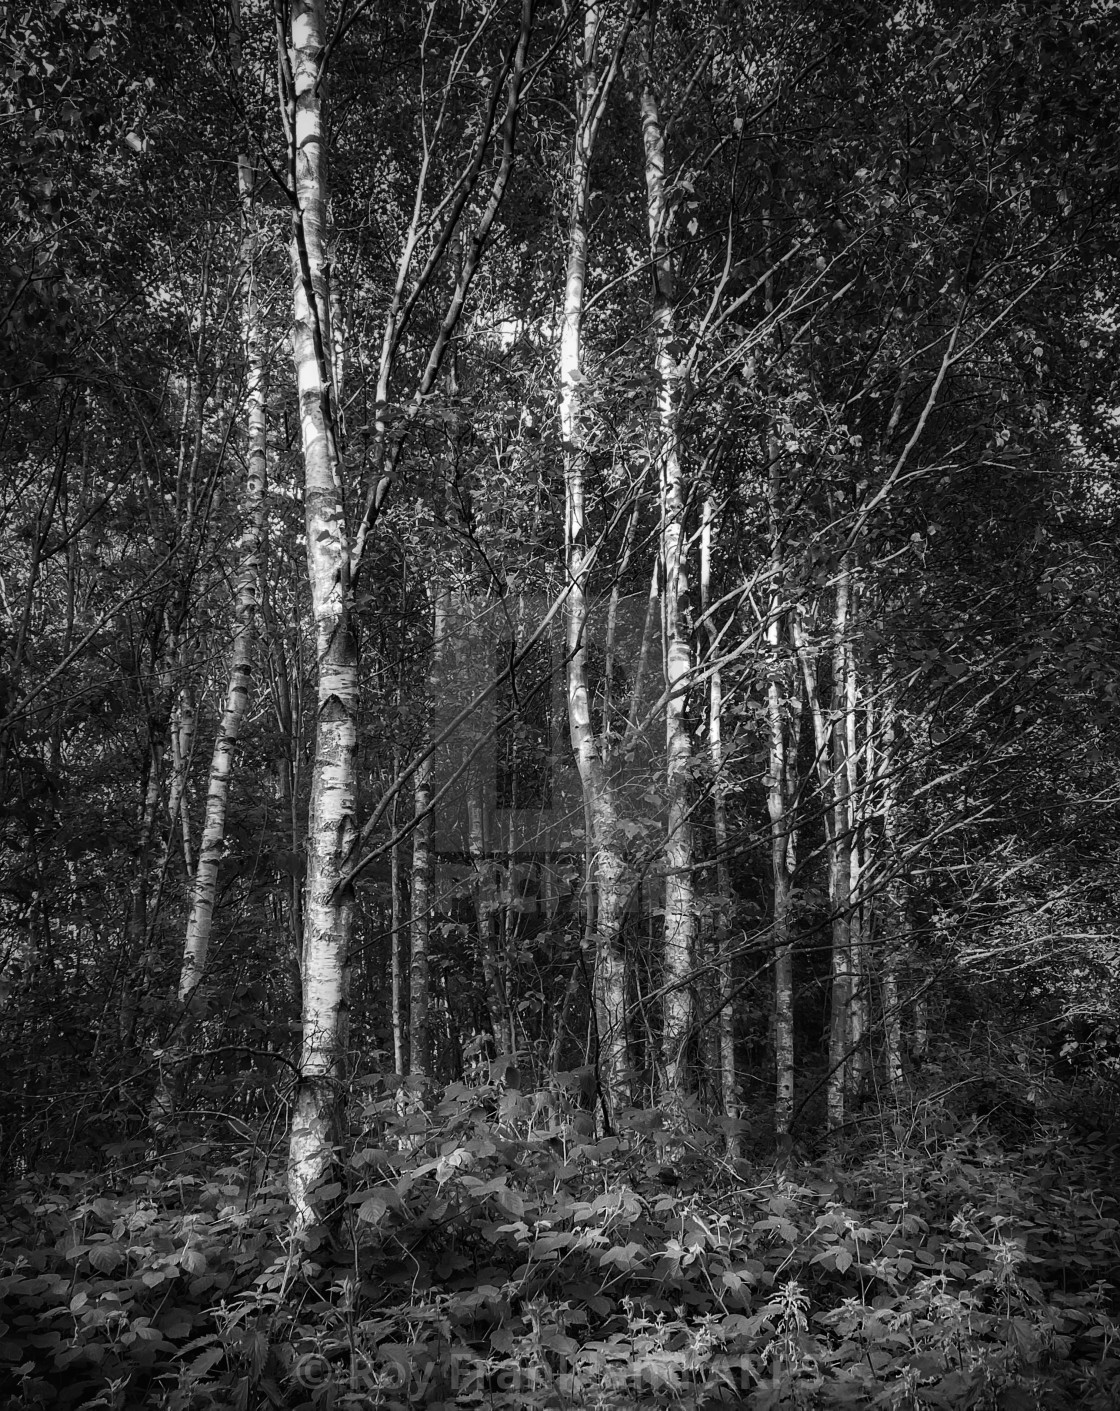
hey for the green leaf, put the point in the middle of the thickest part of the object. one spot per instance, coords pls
(106, 1257)
(192, 1260)
(204, 1361)
(624, 1257)
(375, 1207)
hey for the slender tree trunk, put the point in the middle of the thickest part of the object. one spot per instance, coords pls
(139, 961)
(680, 904)
(919, 1027)
(73, 571)
(916, 984)
(396, 968)
(420, 928)
(560, 1027)
(612, 731)
(831, 775)
(423, 873)
(396, 974)
(337, 339)
(183, 727)
(633, 724)
(895, 904)
(200, 919)
(486, 911)
(507, 950)
(778, 806)
(137, 929)
(903, 986)
(859, 915)
(331, 830)
(235, 707)
(176, 784)
(724, 959)
(871, 906)
(287, 697)
(143, 914)
(605, 839)
(840, 871)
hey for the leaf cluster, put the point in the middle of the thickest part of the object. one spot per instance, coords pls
(493, 1251)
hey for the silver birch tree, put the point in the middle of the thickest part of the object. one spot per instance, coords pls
(828, 739)
(782, 839)
(605, 838)
(423, 868)
(680, 906)
(725, 979)
(894, 910)
(331, 824)
(200, 919)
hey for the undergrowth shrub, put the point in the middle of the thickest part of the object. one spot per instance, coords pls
(493, 1251)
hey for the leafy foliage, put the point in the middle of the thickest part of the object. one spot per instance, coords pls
(493, 1252)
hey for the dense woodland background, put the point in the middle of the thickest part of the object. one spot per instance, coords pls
(559, 667)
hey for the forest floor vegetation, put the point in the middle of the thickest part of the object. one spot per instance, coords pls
(475, 1255)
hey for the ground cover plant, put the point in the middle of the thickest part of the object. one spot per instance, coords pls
(491, 1251)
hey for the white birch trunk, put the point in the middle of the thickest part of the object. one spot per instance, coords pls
(613, 731)
(423, 874)
(331, 829)
(605, 843)
(895, 908)
(239, 688)
(777, 800)
(395, 960)
(724, 960)
(196, 945)
(396, 968)
(859, 916)
(839, 873)
(680, 907)
(633, 724)
(420, 928)
(835, 820)
(182, 746)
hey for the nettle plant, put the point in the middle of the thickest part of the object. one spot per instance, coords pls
(490, 1252)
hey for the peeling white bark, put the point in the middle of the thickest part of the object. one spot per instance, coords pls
(239, 688)
(605, 842)
(781, 823)
(724, 960)
(680, 904)
(196, 945)
(331, 829)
